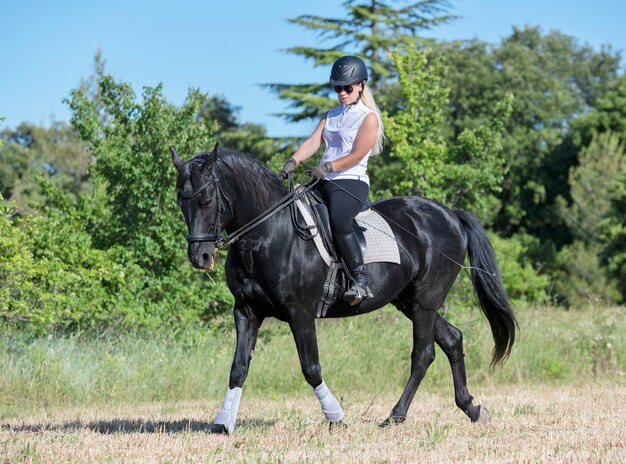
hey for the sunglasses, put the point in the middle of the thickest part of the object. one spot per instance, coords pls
(345, 88)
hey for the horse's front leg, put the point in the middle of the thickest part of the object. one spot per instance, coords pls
(304, 333)
(247, 326)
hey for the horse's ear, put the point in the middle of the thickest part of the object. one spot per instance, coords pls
(178, 163)
(212, 158)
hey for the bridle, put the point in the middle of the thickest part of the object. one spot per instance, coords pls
(231, 238)
(215, 234)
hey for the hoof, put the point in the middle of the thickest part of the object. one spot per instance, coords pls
(219, 429)
(392, 420)
(483, 415)
(340, 425)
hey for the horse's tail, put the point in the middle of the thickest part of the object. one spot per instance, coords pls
(488, 287)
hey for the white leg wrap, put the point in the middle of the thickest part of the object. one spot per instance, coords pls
(228, 414)
(330, 406)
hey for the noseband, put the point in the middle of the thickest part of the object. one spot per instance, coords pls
(209, 237)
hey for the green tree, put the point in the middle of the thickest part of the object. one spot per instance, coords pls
(461, 173)
(599, 165)
(370, 29)
(132, 207)
(583, 277)
(55, 152)
(555, 80)
(607, 114)
(613, 233)
(115, 257)
(51, 278)
(606, 121)
(131, 164)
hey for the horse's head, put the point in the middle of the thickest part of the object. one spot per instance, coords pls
(200, 199)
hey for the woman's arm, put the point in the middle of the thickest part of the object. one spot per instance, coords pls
(363, 143)
(310, 145)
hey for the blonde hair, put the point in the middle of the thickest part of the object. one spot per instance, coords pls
(368, 100)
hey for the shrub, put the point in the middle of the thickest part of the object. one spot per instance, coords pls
(53, 279)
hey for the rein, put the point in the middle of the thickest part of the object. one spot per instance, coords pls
(221, 242)
(282, 204)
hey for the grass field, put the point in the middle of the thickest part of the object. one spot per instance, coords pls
(544, 424)
(560, 398)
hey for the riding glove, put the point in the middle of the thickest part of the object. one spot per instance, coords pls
(288, 168)
(319, 172)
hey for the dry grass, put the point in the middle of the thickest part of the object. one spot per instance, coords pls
(544, 424)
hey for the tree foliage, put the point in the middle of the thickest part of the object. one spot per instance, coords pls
(461, 173)
(55, 152)
(608, 114)
(53, 279)
(116, 257)
(131, 163)
(613, 233)
(581, 276)
(600, 165)
(555, 80)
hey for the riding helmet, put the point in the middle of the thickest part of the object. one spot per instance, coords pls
(348, 70)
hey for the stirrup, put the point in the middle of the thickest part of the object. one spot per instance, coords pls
(355, 294)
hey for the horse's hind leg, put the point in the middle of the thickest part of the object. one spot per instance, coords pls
(422, 356)
(450, 339)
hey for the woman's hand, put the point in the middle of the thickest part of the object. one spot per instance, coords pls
(319, 172)
(288, 168)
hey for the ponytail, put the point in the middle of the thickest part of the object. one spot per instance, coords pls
(368, 100)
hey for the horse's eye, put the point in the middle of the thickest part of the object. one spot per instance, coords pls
(205, 203)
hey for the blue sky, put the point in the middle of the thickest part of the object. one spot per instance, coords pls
(223, 47)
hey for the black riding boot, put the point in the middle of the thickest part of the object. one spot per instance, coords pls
(350, 250)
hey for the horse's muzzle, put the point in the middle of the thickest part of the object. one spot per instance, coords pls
(201, 255)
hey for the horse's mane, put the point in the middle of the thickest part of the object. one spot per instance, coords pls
(250, 174)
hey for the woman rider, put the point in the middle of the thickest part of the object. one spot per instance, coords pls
(351, 132)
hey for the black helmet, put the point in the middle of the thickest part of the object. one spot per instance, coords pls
(348, 70)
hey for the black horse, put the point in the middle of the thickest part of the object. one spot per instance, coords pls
(274, 273)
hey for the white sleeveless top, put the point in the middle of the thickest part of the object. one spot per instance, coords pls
(342, 125)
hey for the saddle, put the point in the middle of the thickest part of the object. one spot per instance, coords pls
(375, 236)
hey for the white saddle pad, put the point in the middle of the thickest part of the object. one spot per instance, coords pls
(381, 246)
